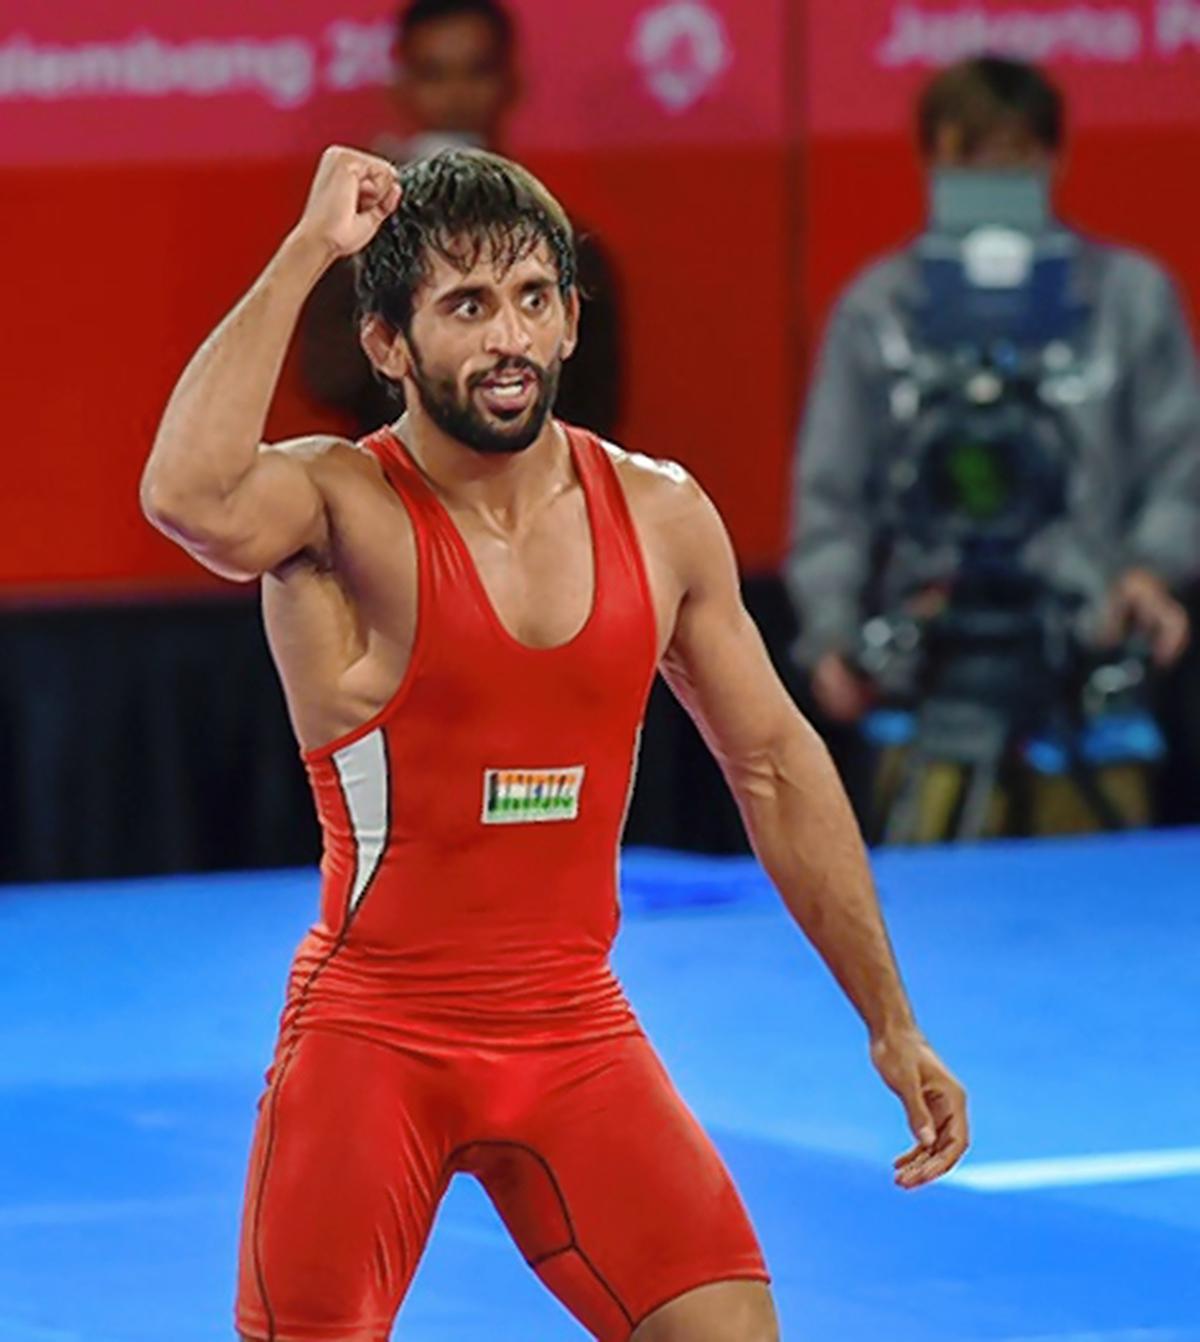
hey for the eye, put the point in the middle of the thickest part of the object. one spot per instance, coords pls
(536, 300)
(468, 309)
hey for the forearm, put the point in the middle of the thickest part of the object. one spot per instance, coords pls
(806, 837)
(210, 432)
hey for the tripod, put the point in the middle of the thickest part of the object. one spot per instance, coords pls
(996, 678)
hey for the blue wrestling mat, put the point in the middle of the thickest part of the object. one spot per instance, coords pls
(1062, 982)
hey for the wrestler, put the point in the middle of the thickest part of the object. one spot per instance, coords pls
(467, 610)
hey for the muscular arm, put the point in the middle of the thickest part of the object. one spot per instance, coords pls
(799, 820)
(239, 508)
(796, 812)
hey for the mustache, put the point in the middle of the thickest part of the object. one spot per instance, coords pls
(512, 364)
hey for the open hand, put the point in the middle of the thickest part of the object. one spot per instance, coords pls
(934, 1101)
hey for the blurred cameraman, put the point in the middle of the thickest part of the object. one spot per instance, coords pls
(1128, 538)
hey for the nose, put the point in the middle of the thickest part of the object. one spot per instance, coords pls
(507, 332)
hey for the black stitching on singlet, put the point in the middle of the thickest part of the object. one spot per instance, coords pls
(535, 1263)
(276, 1084)
(566, 1211)
(277, 1079)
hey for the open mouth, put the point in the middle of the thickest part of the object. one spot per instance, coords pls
(509, 393)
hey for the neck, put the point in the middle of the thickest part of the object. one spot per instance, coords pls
(502, 484)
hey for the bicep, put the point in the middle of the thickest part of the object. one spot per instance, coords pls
(717, 664)
(273, 513)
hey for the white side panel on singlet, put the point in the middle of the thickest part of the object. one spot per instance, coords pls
(362, 768)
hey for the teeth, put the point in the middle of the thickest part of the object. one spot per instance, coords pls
(505, 388)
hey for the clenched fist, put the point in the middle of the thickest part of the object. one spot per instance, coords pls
(351, 195)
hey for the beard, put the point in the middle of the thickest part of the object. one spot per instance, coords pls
(458, 416)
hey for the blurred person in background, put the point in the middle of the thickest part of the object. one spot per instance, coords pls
(457, 79)
(1125, 540)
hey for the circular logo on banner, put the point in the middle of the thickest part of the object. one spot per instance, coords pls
(681, 48)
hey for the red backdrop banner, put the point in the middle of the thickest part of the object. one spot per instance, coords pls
(739, 160)
(1121, 65)
(133, 80)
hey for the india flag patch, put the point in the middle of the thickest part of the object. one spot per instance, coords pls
(526, 796)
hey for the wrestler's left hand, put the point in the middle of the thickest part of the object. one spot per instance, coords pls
(934, 1101)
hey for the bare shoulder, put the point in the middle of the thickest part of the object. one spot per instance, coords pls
(640, 472)
(324, 452)
(665, 496)
(348, 485)
(676, 519)
(657, 488)
(336, 467)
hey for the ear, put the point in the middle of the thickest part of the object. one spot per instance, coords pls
(386, 347)
(571, 338)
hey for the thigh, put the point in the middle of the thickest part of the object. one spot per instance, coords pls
(345, 1175)
(614, 1192)
(719, 1312)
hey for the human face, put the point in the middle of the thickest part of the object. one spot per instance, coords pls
(486, 348)
(456, 77)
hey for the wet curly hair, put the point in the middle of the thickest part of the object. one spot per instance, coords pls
(461, 205)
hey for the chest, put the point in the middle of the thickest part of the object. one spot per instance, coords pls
(537, 580)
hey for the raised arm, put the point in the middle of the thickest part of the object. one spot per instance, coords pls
(241, 508)
(800, 823)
